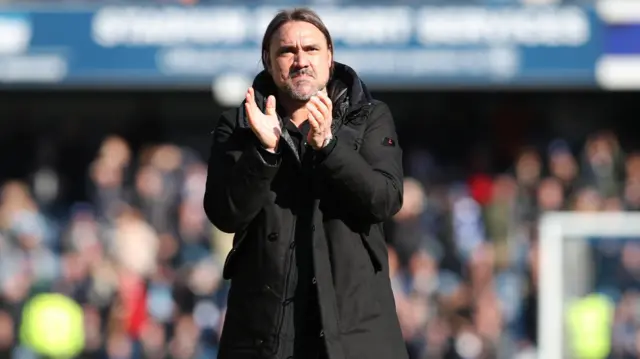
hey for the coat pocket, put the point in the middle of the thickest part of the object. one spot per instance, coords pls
(358, 300)
(229, 267)
(252, 319)
(239, 346)
(376, 262)
(250, 242)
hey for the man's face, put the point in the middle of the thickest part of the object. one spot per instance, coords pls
(299, 60)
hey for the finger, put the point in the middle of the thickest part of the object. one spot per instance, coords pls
(313, 122)
(317, 119)
(313, 110)
(326, 101)
(322, 107)
(248, 108)
(251, 99)
(271, 105)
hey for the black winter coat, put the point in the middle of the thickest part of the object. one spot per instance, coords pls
(308, 232)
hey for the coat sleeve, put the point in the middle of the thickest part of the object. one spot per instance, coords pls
(239, 176)
(368, 181)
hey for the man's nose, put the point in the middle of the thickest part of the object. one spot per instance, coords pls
(302, 59)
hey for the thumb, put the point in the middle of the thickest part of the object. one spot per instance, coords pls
(271, 105)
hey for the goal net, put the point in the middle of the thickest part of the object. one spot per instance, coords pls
(589, 280)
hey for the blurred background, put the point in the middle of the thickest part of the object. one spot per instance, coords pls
(506, 109)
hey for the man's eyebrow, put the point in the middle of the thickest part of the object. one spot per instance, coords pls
(283, 48)
(291, 47)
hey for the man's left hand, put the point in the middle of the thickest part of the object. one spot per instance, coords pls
(320, 118)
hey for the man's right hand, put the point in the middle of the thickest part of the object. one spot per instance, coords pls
(265, 125)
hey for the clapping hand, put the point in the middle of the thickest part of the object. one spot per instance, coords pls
(266, 125)
(320, 117)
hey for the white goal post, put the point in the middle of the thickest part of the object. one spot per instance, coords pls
(555, 228)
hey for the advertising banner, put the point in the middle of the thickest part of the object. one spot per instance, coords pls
(390, 46)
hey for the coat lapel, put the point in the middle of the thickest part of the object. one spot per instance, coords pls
(289, 141)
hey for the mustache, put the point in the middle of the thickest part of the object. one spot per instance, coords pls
(303, 71)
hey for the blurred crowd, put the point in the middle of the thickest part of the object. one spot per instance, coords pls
(140, 258)
(144, 264)
(464, 256)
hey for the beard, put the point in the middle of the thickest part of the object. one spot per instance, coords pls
(303, 89)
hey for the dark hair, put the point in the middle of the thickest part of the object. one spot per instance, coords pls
(296, 14)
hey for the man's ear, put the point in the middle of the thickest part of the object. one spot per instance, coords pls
(266, 61)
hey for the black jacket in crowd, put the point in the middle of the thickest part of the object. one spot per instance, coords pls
(309, 269)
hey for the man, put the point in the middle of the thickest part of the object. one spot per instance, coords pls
(303, 173)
